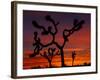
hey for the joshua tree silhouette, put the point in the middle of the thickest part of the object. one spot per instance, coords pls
(38, 45)
(49, 55)
(73, 57)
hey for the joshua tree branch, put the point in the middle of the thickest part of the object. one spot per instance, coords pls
(76, 26)
(48, 18)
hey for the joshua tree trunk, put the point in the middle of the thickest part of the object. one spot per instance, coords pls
(62, 57)
(72, 62)
(50, 65)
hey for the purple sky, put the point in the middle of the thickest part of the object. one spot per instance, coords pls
(80, 39)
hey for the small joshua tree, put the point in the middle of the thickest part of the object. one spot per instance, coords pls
(38, 45)
(49, 55)
(73, 57)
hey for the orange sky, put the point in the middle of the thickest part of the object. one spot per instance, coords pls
(82, 56)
